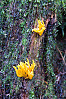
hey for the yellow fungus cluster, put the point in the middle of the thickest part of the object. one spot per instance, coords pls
(25, 70)
(40, 29)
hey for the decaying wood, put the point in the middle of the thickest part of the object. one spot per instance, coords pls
(36, 42)
(36, 39)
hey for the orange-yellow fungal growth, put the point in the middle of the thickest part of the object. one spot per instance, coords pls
(40, 29)
(25, 69)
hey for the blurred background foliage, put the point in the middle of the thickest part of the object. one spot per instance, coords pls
(17, 19)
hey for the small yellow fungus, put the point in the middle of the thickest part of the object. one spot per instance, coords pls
(30, 74)
(25, 69)
(40, 29)
(18, 71)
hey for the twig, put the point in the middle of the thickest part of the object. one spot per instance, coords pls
(62, 73)
(63, 58)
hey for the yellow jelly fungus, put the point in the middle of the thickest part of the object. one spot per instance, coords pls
(18, 72)
(25, 69)
(40, 29)
(30, 74)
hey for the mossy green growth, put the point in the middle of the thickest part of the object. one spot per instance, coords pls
(31, 95)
